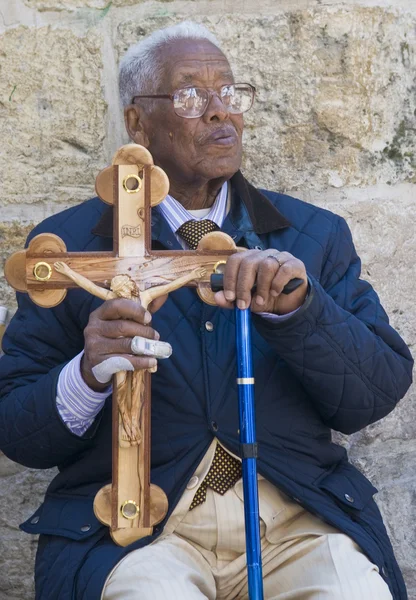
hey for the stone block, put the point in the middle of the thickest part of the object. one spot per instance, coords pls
(387, 466)
(21, 491)
(385, 240)
(387, 247)
(12, 238)
(398, 505)
(52, 115)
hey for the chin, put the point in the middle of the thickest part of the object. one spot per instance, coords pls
(223, 167)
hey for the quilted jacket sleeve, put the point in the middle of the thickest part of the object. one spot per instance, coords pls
(354, 366)
(37, 344)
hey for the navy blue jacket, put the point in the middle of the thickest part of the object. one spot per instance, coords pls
(335, 364)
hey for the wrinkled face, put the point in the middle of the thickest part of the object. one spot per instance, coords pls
(201, 148)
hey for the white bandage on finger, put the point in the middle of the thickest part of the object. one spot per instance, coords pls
(106, 369)
(145, 347)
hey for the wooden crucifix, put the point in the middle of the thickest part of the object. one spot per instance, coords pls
(130, 505)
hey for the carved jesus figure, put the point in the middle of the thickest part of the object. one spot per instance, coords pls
(130, 386)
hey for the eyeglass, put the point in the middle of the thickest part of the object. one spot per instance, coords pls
(192, 102)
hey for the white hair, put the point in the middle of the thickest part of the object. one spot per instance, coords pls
(141, 69)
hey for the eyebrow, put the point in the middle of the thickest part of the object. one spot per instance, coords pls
(188, 78)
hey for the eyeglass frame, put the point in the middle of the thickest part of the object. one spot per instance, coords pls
(210, 94)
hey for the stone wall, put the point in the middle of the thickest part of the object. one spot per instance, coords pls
(334, 124)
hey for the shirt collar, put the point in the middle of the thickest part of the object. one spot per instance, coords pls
(264, 216)
(176, 215)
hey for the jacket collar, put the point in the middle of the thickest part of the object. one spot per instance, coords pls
(251, 211)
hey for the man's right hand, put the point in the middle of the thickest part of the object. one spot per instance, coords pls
(109, 333)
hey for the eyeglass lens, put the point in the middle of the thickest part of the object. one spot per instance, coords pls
(192, 101)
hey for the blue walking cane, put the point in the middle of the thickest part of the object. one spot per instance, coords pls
(248, 444)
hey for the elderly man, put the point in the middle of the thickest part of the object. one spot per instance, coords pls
(325, 357)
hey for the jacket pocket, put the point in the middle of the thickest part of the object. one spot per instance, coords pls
(69, 517)
(275, 508)
(349, 487)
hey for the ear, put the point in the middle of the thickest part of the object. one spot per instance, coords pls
(134, 125)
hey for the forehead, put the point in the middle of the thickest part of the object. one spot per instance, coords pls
(193, 62)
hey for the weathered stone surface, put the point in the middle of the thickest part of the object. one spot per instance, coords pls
(20, 491)
(327, 81)
(387, 465)
(52, 115)
(387, 247)
(216, 7)
(335, 112)
(397, 502)
(69, 5)
(385, 451)
(386, 242)
(12, 238)
(398, 505)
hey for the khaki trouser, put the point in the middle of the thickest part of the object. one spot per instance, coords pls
(201, 554)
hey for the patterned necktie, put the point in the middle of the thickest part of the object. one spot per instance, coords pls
(225, 470)
(224, 473)
(192, 231)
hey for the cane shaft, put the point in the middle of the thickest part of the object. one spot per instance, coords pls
(245, 382)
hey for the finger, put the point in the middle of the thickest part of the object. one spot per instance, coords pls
(125, 328)
(222, 302)
(146, 347)
(266, 272)
(104, 371)
(101, 348)
(230, 275)
(122, 308)
(138, 362)
(246, 277)
(141, 362)
(289, 270)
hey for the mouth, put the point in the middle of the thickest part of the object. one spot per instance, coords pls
(223, 136)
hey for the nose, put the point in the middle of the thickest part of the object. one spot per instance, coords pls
(216, 111)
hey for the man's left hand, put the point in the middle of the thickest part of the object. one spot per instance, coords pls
(270, 270)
